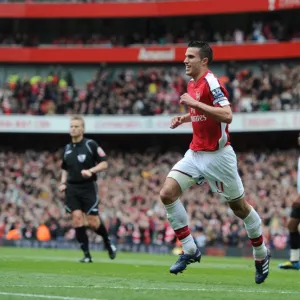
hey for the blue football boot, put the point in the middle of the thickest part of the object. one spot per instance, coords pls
(184, 260)
(262, 269)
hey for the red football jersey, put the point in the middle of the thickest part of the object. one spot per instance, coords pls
(208, 134)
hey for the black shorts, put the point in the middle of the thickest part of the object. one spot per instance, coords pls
(82, 197)
(295, 212)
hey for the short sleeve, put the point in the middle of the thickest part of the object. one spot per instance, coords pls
(98, 153)
(218, 94)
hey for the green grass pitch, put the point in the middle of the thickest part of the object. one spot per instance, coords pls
(56, 274)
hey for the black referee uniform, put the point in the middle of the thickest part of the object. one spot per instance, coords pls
(82, 193)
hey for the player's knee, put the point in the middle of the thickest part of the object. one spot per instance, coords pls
(94, 222)
(165, 195)
(169, 194)
(77, 219)
(240, 208)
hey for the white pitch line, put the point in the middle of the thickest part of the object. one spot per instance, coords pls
(143, 262)
(45, 296)
(215, 289)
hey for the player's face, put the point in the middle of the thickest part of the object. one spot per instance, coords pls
(193, 62)
(76, 128)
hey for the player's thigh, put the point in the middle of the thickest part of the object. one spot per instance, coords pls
(90, 200)
(77, 218)
(223, 177)
(72, 202)
(185, 172)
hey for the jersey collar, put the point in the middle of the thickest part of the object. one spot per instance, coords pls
(78, 143)
(202, 77)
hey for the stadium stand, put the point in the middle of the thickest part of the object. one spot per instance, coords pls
(109, 34)
(152, 91)
(29, 197)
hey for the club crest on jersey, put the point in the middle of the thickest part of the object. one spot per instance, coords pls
(81, 157)
(198, 95)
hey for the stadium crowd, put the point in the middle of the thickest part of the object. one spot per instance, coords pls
(31, 206)
(149, 91)
(152, 33)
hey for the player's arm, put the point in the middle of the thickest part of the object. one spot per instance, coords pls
(102, 166)
(218, 95)
(64, 175)
(178, 120)
(221, 114)
(100, 158)
(186, 118)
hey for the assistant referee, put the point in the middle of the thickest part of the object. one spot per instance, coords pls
(82, 160)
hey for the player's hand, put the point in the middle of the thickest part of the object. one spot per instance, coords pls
(62, 188)
(188, 100)
(86, 173)
(176, 121)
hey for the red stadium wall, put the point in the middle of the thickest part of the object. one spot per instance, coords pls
(147, 9)
(146, 54)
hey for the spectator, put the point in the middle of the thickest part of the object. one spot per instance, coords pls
(152, 91)
(129, 193)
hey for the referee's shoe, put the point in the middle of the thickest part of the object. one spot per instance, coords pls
(86, 259)
(112, 250)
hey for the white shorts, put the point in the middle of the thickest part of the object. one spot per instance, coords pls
(219, 168)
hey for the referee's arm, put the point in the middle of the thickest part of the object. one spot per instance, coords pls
(100, 158)
(64, 175)
(100, 167)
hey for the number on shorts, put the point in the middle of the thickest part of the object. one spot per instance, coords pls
(220, 187)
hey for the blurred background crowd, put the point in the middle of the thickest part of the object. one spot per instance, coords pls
(31, 206)
(156, 34)
(148, 91)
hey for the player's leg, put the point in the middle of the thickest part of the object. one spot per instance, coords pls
(223, 177)
(182, 176)
(81, 235)
(90, 204)
(294, 241)
(73, 207)
(253, 225)
(98, 226)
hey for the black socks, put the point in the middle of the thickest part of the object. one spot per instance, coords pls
(83, 240)
(103, 232)
(295, 240)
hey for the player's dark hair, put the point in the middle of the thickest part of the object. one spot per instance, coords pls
(204, 49)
